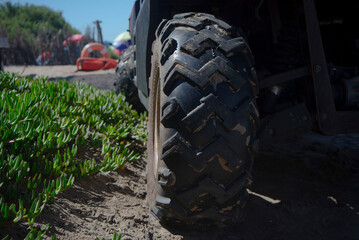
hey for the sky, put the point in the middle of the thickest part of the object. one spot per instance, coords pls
(114, 14)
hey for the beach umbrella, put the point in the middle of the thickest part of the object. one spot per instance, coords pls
(73, 38)
(125, 36)
(122, 45)
(122, 41)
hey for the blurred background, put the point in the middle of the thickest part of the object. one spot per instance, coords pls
(49, 32)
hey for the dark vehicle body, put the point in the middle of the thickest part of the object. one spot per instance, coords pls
(306, 55)
(326, 40)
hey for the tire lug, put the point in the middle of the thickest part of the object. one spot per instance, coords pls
(254, 147)
(169, 108)
(168, 50)
(166, 177)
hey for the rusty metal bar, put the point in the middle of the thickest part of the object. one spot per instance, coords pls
(330, 121)
(284, 77)
(323, 90)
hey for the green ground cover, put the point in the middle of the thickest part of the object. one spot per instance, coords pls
(45, 130)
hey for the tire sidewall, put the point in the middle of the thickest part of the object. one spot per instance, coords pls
(151, 172)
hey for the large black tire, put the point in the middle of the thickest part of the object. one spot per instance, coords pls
(202, 121)
(124, 82)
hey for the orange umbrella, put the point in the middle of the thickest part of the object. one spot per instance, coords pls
(73, 38)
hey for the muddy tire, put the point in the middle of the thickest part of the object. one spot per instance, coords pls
(202, 122)
(124, 82)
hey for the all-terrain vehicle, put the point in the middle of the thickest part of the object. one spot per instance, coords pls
(223, 78)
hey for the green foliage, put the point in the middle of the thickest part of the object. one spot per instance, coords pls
(32, 29)
(45, 129)
(29, 20)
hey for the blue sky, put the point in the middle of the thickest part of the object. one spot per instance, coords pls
(114, 14)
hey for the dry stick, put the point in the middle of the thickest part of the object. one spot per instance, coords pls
(23, 70)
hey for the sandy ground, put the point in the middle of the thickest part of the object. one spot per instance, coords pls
(304, 188)
(102, 79)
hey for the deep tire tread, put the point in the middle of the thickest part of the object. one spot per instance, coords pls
(124, 79)
(206, 61)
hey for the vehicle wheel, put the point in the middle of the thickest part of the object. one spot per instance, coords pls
(124, 79)
(202, 121)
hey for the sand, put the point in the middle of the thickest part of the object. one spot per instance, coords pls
(304, 188)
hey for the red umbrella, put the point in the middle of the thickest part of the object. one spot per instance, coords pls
(73, 38)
